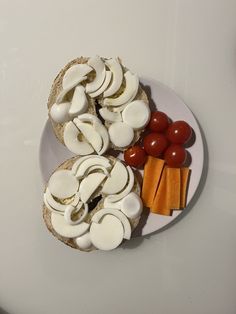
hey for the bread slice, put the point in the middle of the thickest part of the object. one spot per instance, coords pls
(47, 213)
(56, 89)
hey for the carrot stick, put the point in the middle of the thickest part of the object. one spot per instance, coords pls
(160, 203)
(185, 175)
(152, 174)
(173, 187)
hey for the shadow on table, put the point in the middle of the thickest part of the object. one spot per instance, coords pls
(2, 311)
(138, 239)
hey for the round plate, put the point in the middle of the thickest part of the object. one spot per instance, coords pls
(52, 153)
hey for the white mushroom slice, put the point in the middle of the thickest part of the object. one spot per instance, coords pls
(86, 117)
(98, 126)
(109, 211)
(117, 76)
(97, 167)
(63, 184)
(49, 197)
(126, 191)
(120, 108)
(91, 135)
(108, 204)
(99, 66)
(132, 205)
(72, 142)
(60, 112)
(74, 74)
(70, 209)
(64, 92)
(136, 114)
(79, 161)
(108, 234)
(60, 225)
(103, 87)
(110, 116)
(88, 163)
(79, 103)
(117, 180)
(56, 205)
(84, 242)
(89, 185)
(131, 89)
(121, 134)
(49, 206)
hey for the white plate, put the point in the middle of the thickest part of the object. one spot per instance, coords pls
(52, 153)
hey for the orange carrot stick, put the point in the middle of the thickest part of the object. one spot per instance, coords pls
(173, 187)
(160, 203)
(151, 177)
(185, 175)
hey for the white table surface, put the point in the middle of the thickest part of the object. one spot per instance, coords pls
(189, 268)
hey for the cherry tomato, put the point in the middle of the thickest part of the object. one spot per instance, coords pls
(155, 144)
(159, 122)
(175, 156)
(135, 156)
(179, 132)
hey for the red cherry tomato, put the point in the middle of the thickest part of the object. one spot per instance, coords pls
(175, 156)
(135, 156)
(179, 132)
(155, 144)
(159, 122)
